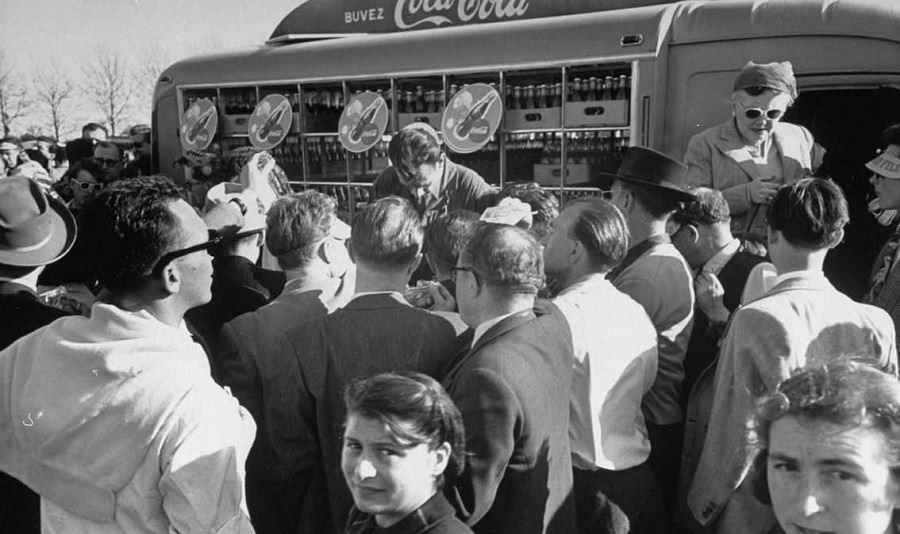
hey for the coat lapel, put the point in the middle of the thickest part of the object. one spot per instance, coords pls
(734, 148)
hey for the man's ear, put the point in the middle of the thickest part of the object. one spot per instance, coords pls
(170, 278)
(414, 264)
(693, 233)
(838, 237)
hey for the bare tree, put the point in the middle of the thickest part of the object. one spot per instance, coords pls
(109, 83)
(14, 101)
(53, 88)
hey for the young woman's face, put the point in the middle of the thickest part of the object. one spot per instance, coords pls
(84, 186)
(388, 479)
(826, 478)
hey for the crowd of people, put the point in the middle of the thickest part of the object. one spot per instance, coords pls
(454, 359)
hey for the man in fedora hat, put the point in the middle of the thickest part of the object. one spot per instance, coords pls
(648, 188)
(114, 419)
(35, 230)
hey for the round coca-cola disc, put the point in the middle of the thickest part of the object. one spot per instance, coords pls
(198, 125)
(270, 122)
(363, 122)
(471, 118)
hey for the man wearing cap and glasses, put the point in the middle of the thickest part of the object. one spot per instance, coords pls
(234, 214)
(114, 419)
(421, 173)
(750, 155)
(34, 231)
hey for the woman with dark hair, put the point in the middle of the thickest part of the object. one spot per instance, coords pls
(82, 181)
(831, 444)
(402, 433)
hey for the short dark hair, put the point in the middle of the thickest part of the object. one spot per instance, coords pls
(296, 224)
(107, 145)
(447, 235)
(709, 207)
(93, 127)
(387, 232)
(601, 228)
(844, 393)
(414, 409)
(506, 257)
(656, 203)
(544, 204)
(127, 227)
(411, 147)
(809, 213)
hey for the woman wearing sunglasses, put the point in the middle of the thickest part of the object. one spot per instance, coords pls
(81, 182)
(753, 153)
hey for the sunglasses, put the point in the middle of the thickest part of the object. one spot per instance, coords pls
(755, 113)
(169, 257)
(106, 162)
(91, 186)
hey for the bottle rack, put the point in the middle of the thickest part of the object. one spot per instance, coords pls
(564, 127)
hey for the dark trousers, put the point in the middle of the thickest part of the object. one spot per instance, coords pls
(665, 459)
(20, 508)
(627, 501)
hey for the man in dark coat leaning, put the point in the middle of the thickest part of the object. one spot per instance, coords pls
(35, 230)
(513, 390)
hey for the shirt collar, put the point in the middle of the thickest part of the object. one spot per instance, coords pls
(481, 329)
(714, 265)
(815, 275)
(393, 294)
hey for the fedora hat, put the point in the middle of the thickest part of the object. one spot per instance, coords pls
(656, 172)
(34, 228)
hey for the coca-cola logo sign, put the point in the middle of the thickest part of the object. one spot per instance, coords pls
(412, 13)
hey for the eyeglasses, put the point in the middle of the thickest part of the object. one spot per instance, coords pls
(91, 186)
(755, 113)
(169, 257)
(454, 273)
(106, 162)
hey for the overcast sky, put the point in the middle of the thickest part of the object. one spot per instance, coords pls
(34, 31)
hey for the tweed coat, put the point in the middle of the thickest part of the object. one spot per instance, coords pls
(718, 158)
(800, 321)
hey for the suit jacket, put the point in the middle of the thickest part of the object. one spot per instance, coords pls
(718, 158)
(802, 320)
(246, 345)
(888, 298)
(313, 364)
(513, 390)
(238, 287)
(21, 313)
(659, 280)
(699, 370)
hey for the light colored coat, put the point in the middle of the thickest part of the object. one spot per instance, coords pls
(718, 158)
(800, 321)
(115, 421)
